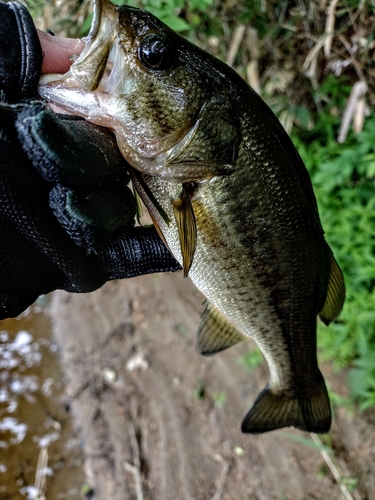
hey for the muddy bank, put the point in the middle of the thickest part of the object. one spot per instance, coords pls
(159, 422)
(37, 442)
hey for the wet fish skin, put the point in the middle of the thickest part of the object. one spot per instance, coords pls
(213, 164)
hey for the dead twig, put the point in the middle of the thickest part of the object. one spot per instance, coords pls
(223, 477)
(330, 26)
(252, 75)
(40, 475)
(332, 467)
(359, 116)
(136, 468)
(355, 63)
(310, 64)
(252, 71)
(356, 96)
(235, 43)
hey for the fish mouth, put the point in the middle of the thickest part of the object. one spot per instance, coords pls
(95, 86)
(92, 87)
(88, 89)
(94, 62)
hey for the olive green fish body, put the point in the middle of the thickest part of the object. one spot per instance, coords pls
(262, 261)
(228, 193)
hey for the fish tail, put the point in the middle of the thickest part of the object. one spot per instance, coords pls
(308, 412)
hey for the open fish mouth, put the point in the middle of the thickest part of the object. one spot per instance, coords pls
(100, 85)
(92, 79)
(96, 60)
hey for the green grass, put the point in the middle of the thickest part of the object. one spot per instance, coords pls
(343, 178)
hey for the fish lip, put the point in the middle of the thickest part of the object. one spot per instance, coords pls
(96, 18)
(91, 66)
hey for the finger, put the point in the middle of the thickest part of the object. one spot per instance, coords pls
(58, 52)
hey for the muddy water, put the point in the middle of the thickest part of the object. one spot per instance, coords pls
(35, 421)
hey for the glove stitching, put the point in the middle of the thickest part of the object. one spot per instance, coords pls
(25, 50)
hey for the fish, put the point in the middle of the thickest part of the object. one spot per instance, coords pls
(228, 193)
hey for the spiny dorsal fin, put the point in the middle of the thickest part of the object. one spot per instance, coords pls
(215, 333)
(335, 292)
(186, 225)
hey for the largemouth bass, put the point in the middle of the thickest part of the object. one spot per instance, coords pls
(228, 193)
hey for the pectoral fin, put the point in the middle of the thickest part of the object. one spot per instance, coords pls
(335, 292)
(209, 149)
(187, 228)
(215, 333)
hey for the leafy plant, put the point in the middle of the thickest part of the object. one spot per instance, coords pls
(177, 14)
(252, 359)
(199, 389)
(219, 398)
(343, 180)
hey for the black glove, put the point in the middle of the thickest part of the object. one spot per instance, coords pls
(66, 213)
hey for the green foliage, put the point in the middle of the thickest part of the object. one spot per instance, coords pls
(343, 178)
(85, 28)
(35, 7)
(180, 15)
(219, 398)
(200, 390)
(252, 359)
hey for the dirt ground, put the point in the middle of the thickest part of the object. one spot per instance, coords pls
(159, 422)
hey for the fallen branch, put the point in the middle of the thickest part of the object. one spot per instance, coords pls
(235, 43)
(330, 26)
(40, 475)
(332, 467)
(136, 468)
(223, 476)
(356, 95)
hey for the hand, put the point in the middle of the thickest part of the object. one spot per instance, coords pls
(66, 213)
(58, 52)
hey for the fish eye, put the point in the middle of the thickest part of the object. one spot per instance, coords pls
(154, 52)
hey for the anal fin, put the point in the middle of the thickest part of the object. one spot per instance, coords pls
(215, 333)
(335, 292)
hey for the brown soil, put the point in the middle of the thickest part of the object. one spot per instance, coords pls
(162, 430)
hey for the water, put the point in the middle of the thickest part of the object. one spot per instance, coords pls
(35, 422)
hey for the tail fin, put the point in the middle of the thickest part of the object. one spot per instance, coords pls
(272, 411)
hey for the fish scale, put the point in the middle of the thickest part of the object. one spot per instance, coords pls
(261, 324)
(228, 193)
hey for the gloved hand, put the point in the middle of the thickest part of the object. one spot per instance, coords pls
(66, 213)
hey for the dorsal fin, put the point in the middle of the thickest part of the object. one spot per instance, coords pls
(335, 292)
(186, 225)
(215, 333)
